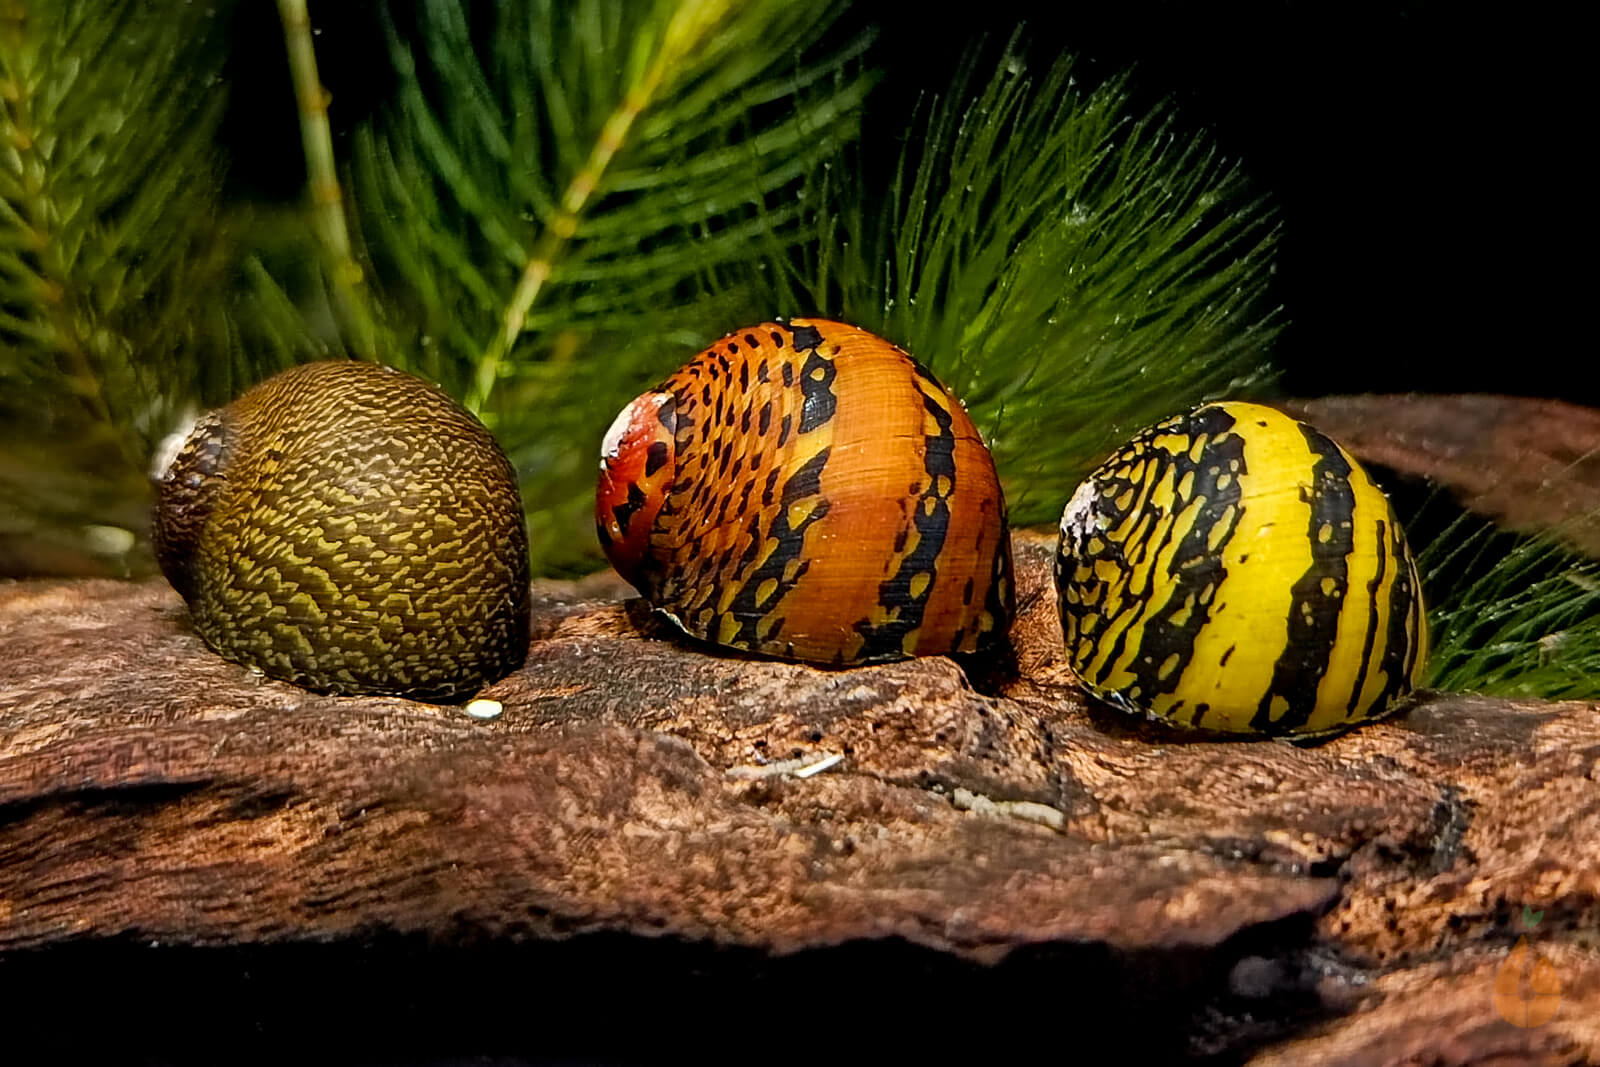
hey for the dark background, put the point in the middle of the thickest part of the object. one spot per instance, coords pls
(1423, 158)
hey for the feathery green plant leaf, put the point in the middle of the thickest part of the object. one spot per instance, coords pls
(571, 195)
(107, 258)
(1516, 616)
(603, 165)
(1071, 271)
(102, 187)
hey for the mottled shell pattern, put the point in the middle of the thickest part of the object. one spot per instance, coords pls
(349, 528)
(806, 490)
(1234, 569)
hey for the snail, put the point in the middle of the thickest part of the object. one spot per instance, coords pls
(808, 491)
(1235, 570)
(349, 528)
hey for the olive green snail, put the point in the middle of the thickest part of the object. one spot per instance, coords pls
(1235, 570)
(349, 528)
(808, 491)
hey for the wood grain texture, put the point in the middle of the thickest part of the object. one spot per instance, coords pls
(623, 839)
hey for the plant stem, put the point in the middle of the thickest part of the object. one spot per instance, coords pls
(327, 203)
(690, 22)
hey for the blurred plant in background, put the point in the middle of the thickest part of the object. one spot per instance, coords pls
(110, 260)
(611, 184)
(1074, 271)
(567, 229)
(1512, 615)
(564, 199)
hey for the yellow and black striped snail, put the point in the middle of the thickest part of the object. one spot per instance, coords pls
(1235, 570)
(806, 490)
(349, 528)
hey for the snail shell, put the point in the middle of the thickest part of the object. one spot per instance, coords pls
(808, 491)
(349, 528)
(1234, 569)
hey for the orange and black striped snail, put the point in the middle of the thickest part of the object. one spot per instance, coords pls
(806, 490)
(1236, 570)
(349, 528)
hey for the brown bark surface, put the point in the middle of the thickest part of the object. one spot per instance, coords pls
(654, 829)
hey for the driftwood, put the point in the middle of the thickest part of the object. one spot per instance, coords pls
(656, 850)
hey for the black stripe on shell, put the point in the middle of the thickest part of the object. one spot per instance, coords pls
(1374, 620)
(626, 510)
(805, 337)
(804, 482)
(816, 387)
(931, 516)
(655, 457)
(1403, 641)
(1197, 569)
(1314, 612)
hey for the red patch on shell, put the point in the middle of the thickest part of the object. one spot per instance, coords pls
(636, 467)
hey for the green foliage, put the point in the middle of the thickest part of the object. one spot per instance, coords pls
(107, 255)
(1517, 616)
(566, 214)
(1071, 270)
(566, 198)
(614, 157)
